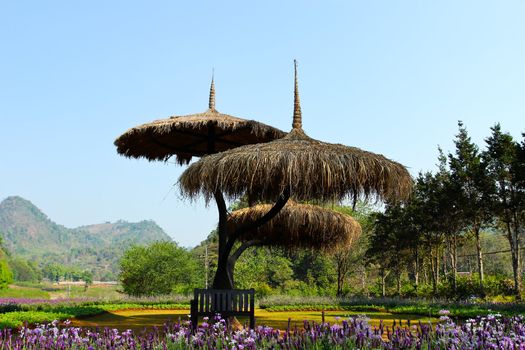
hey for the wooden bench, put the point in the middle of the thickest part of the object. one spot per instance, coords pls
(226, 302)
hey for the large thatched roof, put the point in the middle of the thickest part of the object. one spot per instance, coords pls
(193, 135)
(298, 226)
(310, 169)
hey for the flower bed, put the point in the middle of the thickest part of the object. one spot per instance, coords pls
(490, 332)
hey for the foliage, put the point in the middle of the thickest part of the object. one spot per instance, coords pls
(25, 270)
(352, 261)
(18, 318)
(6, 275)
(155, 269)
(263, 269)
(468, 207)
(506, 163)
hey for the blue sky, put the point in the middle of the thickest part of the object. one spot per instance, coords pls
(392, 77)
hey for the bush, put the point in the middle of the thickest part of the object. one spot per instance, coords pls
(18, 318)
(467, 287)
(6, 276)
(408, 289)
(263, 290)
(24, 271)
(156, 269)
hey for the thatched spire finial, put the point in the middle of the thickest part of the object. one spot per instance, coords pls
(212, 93)
(297, 119)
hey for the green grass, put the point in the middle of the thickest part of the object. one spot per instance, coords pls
(49, 312)
(104, 292)
(24, 292)
(55, 291)
(18, 318)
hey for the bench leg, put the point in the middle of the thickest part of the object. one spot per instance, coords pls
(193, 314)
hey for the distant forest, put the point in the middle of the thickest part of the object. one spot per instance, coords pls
(35, 243)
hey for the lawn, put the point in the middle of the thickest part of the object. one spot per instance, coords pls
(100, 291)
(140, 319)
(55, 291)
(15, 291)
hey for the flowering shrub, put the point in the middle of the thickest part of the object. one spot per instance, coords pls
(491, 332)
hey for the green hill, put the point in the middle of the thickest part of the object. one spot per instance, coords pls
(29, 233)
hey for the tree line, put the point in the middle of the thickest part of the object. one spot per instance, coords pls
(472, 191)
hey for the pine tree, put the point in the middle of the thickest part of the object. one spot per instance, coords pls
(469, 176)
(505, 170)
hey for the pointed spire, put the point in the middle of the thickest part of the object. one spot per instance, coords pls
(212, 93)
(297, 118)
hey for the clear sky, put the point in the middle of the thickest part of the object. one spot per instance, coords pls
(392, 77)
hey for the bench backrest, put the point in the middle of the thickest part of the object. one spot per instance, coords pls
(224, 300)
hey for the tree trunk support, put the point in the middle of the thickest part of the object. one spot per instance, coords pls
(224, 276)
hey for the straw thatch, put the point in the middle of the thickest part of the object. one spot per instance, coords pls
(298, 226)
(308, 168)
(193, 135)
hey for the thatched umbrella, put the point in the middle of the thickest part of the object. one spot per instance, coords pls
(306, 167)
(296, 166)
(296, 226)
(193, 135)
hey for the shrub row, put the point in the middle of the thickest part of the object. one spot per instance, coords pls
(392, 305)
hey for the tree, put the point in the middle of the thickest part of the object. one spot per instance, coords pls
(428, 215)
(24, 271)
(449, 219)
(87, 277)
(6, 275)
(53, 272)
(351, 259)
(474, 189)
(316, 269)
(391, 244)
(505, 169)
(206, 256)
(156, 269)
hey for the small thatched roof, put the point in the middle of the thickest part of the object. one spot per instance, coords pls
(310, 169)
(299, 226)
(193, 135)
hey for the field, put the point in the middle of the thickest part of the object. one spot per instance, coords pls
(54, 291)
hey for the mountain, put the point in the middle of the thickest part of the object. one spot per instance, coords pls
(28, 232)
